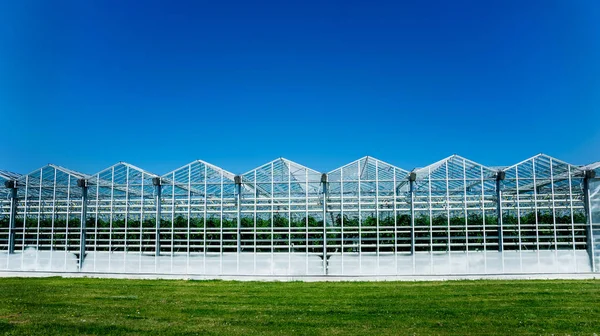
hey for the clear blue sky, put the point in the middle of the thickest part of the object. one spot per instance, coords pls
(84, 84)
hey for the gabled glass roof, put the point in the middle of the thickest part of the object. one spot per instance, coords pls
(8, 176)
(593, 166)
(540, 171)
(198, 178)
(455, 173)
(280, 177)
(51, 180)
(122, 179)
(366, 170)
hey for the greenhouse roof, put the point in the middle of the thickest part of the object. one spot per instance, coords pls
(282, 176)
(455, 173)
(51, 180)
(6, 175)
(51, 166)
(366, 169)
(591, 166)
(122, 178)
(197, 175)
(198, 178)
(538, 172)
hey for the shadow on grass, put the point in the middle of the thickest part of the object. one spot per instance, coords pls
(6, 327)
(79, 329)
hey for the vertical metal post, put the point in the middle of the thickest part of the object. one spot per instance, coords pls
(377, 247)
(324, 185)
(342, 223)
(359, 205)
(238, 184)
(205, 208)
(306, 217)
(485, 241)
(25, 208)
(518, 194)
(430, 206)
(553, 205)
(272, 202)
(448, 205)
(189, 208)
(395, 214)
(127, 212)
(571, 208)
(465, 209)
(588, 174)
(173, 217)
(535, 206)
(13, 213)
(157, 184)
(289, 208)
(97, 214)
(254, 216)
(82, 183)
(412, 177)
(52, 228)
(221, 219)
(499, 178)
(40, 211)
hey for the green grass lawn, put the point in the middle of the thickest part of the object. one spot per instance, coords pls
(56, 306)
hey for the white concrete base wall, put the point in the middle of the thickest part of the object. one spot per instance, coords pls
(303, 265)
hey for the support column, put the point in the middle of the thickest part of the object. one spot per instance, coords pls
(82, 183)
(589, 174)
(238, 204)
(499, 178)
(325, 256)
(12, 185)
(157, 184)
(412, 177)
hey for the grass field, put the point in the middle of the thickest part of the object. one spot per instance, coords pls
(56, 306)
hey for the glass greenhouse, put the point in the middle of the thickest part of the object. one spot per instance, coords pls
(367, 218)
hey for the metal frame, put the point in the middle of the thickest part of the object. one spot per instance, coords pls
(366, 208)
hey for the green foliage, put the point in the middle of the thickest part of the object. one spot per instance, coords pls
(282, 230)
